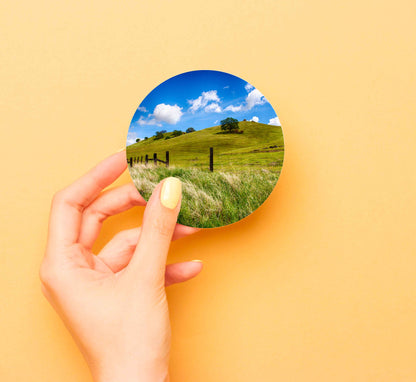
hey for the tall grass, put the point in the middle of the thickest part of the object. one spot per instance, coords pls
(210, 199)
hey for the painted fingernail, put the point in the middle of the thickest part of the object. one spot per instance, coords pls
(122, 149)
(196, 261)
(171, 192)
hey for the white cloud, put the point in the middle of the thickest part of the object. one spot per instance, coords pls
(167, 113)
(233, 108)
(274, 121)
(203, 100)
(254, 98)
(254, 119)
(142, 108)
(213, 107)
(226, 87)
(162, 113)
(248, 87)
(131, 138)
(150, 121)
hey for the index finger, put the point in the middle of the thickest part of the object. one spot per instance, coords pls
(69, 203)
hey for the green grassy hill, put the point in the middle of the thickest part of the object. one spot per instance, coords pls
(232, 152)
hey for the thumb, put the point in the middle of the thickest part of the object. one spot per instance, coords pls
(159, 222)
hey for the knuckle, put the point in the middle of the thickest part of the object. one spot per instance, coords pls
(127, 237)
(132, 239)
(58, 197)
(44, 290)
(47, 274)
(93, 212)
(134, 195)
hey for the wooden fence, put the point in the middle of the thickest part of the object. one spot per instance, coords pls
(145, 159)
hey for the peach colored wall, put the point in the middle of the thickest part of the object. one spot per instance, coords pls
(317, 285)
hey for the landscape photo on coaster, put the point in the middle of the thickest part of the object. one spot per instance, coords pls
(215, 132)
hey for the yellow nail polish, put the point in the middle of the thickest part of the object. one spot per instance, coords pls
(171, 192)
(123, 149)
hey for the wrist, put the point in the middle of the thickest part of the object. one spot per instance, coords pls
(125, 376)
(122, 373)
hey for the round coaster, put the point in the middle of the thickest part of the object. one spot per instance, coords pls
(215, 132)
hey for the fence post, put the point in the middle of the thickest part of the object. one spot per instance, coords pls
(141, 159)
(131, 161)
(211, 159)
(167, 158)
(155, 158)
(146, 159)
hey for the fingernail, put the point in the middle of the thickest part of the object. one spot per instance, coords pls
(171, 192)
(196, 261)
(122, 149)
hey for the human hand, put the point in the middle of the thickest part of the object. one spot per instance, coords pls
(114, 304)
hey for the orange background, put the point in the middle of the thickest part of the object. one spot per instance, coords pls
(319, 283)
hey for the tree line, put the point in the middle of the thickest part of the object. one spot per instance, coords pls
(228, 126)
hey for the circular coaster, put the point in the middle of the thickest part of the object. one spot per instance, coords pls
(215, 132)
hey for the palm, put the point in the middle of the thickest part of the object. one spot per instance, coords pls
(114, 303)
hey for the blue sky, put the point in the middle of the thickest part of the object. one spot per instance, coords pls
(199, 99)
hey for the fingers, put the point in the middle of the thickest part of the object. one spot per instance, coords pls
(183, 231)
(68, 204)
(159, 222)
(107, 204)
(180, 272)
(119, 250)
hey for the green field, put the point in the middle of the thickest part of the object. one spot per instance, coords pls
(210, 199)
(246, 169)
(232, 152)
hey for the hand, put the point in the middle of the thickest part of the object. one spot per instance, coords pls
(114, 304)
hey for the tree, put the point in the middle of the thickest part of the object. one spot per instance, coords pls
(229, 125)
(176, 133)
(138, 140)
(190, 130)
(146, 138)
(158, 135)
